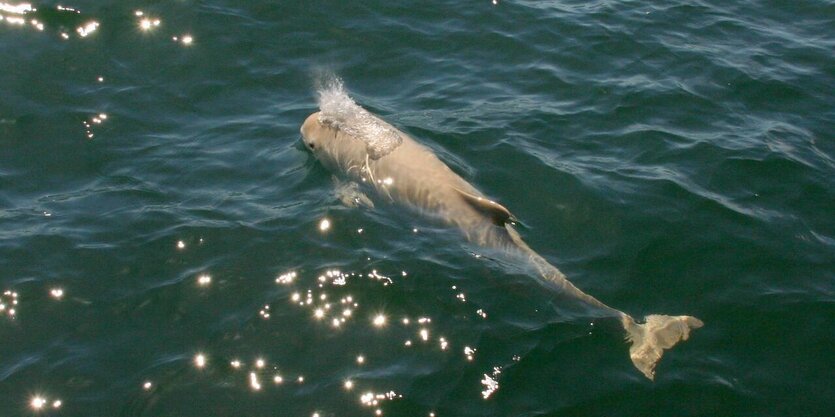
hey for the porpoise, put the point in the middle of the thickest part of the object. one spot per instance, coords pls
(356, 144)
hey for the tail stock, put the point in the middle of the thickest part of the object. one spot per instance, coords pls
(648, 339)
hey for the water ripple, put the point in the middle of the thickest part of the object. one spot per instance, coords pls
(666, 156)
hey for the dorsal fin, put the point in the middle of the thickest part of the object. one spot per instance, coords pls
(497, 212)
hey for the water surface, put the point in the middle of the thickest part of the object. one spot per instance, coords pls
(160, 222)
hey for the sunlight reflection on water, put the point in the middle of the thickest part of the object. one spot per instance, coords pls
(323, 296)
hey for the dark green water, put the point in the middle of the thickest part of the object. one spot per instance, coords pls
(670, 157)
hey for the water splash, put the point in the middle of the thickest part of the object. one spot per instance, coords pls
(340, 111)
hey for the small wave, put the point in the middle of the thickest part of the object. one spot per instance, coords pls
(342, 112)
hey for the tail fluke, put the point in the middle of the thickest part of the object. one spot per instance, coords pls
(657, 333)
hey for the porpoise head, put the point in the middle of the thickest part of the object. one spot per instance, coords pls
(315, 134)
(330, 146)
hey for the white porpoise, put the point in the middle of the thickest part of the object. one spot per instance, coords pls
(350, 141)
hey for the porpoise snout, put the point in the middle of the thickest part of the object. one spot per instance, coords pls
(307, 129)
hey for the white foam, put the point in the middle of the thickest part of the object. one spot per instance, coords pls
(340, 111)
